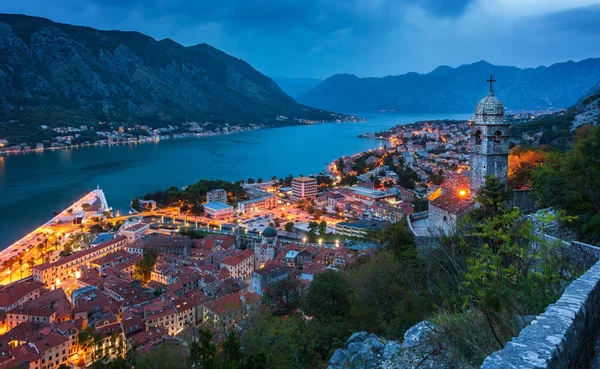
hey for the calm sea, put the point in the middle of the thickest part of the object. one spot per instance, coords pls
(34, 185)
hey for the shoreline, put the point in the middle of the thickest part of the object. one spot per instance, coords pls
(320, 167)
(158, 139)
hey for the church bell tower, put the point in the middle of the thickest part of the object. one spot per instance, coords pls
(488, 141)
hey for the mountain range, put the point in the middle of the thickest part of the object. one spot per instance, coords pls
(53, 73)
(296, 86)
(456, 90)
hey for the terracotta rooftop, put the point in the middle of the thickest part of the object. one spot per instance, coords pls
(452, 203)
(238, 257)
(15, 291)
(225, 304)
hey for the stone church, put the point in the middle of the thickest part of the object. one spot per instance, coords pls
(489, 156)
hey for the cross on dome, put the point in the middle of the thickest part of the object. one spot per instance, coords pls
(491, 81)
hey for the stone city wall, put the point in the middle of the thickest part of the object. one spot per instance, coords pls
(564, 335)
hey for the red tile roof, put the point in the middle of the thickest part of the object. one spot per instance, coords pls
(238, 257)
(457, 182)
(17, 290)
(225, 304)
(452, 203)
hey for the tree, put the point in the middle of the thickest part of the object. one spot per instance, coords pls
(327, 296)
(322, 228)
(420, 204)
(198, 209)
(493, 196)
(349, 180)
(571, 181)
(231, 351)
(20, 262)
(31, 264)
(521, 164)
(67, 250)
(283, 297)
(260, 180)
(407, 177)
(436, 179)
(202, 351)
(397, 238)
(162, 357)
(143, 268)
(311, 236)
(289, 226)
(250, 181)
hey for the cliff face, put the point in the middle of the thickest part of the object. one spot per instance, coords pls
(57, 72)
(453, 90)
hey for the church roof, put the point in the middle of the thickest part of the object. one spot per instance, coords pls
(269, 232)
(452, 203)
(489, 105)
(456, 182)
(452, 199)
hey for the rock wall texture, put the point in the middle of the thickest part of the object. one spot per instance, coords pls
(561, 337)
(367, 351)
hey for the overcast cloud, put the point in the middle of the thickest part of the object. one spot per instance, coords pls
(319, 38)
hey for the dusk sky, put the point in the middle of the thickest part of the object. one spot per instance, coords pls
(319, 38)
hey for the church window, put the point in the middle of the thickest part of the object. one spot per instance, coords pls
(497, 137)
(478, 138)
(445, 218)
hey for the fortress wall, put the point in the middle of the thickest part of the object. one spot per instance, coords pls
(564, 335)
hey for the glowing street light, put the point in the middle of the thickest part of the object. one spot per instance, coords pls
(462, 193)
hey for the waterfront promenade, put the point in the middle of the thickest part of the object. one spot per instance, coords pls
(23, 252)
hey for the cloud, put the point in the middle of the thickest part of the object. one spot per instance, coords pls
(583, 20)
(317, 38)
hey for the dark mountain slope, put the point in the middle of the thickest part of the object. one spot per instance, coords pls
(53, 73)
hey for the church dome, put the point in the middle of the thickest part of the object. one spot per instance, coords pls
(490, 105)
(269, 232)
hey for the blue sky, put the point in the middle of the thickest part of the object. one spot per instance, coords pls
(319, 38)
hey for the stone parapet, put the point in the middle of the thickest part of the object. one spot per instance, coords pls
(564, 335)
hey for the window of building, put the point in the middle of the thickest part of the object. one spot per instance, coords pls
(497, 137)
(478, 138)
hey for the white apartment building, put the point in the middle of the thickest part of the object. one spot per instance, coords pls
(304, 188)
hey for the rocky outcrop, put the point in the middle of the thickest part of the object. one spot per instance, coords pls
(417, 350)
